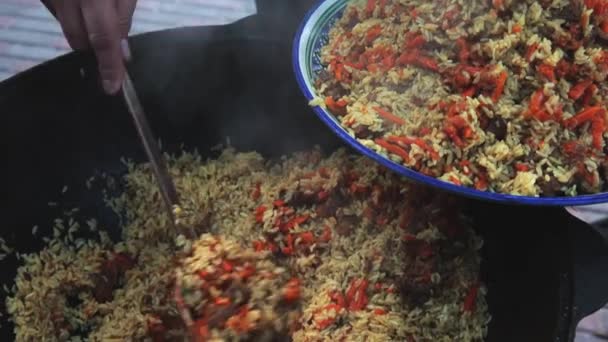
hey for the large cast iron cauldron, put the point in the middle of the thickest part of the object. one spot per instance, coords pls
(544, 269)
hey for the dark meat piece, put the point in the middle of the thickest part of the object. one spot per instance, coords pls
(238, 293)
(323, 77)
(303, 199)
(330, 207)
(268, 335)
(415, 285)
(498, 127)
(546, 31)
(357, 49)
(108, 278)
(550, 188)
(346, 223)
(603, 171)
(571, 13)
(399, 88)
(220, 315)
(363, 132)
(353, 20)
(336, 91)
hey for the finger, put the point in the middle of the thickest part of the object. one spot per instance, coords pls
(69, 15)
(101, 22)
(126, 8)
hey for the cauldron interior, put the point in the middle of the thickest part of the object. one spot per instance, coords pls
(199, 86)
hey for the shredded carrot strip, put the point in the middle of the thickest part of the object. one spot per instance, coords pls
(416, 141)
(598, 127)
(516, 28)
(394, 149)
(500, 86)
(389, 116)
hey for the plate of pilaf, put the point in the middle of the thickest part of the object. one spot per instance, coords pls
(499, 100)
(309, 247)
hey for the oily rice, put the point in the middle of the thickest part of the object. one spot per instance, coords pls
(504, 95)
(308, 247)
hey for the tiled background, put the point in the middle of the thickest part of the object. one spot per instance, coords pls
(29, 35)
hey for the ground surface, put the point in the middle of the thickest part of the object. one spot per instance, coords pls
(29, 35)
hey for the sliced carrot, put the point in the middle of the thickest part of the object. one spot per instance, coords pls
(500, 86)
(389, 116)
(394, 149)
(416, 141)
(517, 28)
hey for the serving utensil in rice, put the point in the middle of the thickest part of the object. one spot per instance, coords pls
(157, 163)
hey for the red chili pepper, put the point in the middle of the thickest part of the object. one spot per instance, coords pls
(322, 195)
(338, 298)
(336, 107)
(579, 89)
(291, 293)
(259, 214)
(247, 272)
(326, 235)
(257, 191)
(258, 245)
(469, 92)
(296, 221)
(591, 90)
(371, 5)
(307, 237)
(536, 101)
(415, 42)
(584, 116)
(471, 298)
(221, 301)
(373, 33)
(598, 127)
(227, 266)
(389, 116)
(356, 296)
(521, 167)
(481, 183)
(500, 86)
(394, 149)
(463, 50)
(548, 71)
(379, 312)
(418, 59)
(452, 133)
(531, 50)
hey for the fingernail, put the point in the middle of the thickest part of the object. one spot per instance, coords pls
(126, 50)
(110, 87)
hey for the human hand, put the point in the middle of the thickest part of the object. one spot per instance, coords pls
(101, 25)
